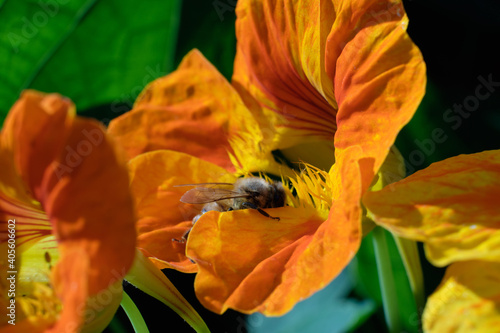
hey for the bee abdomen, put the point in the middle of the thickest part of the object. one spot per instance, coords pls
(217, 206)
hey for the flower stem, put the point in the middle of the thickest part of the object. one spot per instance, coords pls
(409, 255)
(386, 280)
(133, 313)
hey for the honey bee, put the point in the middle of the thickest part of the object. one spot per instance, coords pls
(252, 192)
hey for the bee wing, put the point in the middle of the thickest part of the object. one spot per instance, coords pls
(206, 184)
(203, 195)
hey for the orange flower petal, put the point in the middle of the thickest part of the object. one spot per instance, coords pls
(70, 279)
(467, 300)
(344, 71)
(251, 263)
(451, 206)
(378, 73)
(90, 204)
(280, 63)
(161, 216)
(27, 140)
(247, 261)
(192, 110)
(32, 224)
(70, 170)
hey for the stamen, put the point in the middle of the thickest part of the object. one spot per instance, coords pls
(42, 303)
(313, 187)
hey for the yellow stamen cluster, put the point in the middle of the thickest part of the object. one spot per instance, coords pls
(41, 304)
(313, 188)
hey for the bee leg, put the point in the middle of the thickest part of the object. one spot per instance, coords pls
(260, 210)
(183, 238)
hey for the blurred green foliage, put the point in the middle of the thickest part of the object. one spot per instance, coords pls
(329, 310)
(364, 269)
(210, 31)
(94, 52)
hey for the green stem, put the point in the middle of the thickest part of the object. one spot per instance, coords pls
(133, 313)
(409, 255)
(386, 280)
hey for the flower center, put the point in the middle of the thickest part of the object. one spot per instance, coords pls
(41, 304)
(314, 188)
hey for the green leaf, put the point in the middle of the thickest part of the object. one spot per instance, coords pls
(92, 51)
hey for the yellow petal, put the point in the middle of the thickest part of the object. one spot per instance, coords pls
(161, 215)
(192, 110)
(391, 171)
(451, 206)
(467, 300)
(250, 263)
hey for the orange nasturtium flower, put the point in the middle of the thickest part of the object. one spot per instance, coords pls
(328, 83)
(66, 218)
(452, 206)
